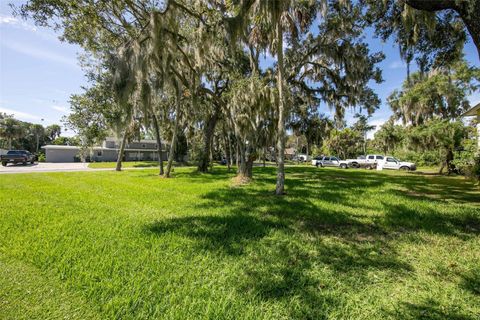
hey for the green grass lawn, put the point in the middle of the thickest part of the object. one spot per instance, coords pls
(125, 164)
(343, 244)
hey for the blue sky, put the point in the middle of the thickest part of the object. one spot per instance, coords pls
(38, 72)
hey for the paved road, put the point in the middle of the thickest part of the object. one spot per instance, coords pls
(45, 167)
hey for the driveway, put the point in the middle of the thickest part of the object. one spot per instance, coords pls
(44, 167)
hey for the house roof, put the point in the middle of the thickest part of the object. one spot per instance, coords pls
(472, 112)
(61, 147)
(137, 141)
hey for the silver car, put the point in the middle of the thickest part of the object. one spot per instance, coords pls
(326, 161)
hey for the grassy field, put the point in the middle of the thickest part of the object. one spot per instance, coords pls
(125, 164)
(343, 244)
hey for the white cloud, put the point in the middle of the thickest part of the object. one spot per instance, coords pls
(40, 53)
(18, 23)
(378, 123)
(398, 64)
(20, 114)
(60, 108)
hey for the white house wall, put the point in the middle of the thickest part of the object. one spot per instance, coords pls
(60, 155)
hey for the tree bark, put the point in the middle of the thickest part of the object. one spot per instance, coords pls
(174, 138)
(470, 16)
(38, 142)
(208, 131)
(230, 150)
(227, 151)
(264, 156)
(121, 151)
(159, 144)
(246, 161)
(280, 187)
(237, 155)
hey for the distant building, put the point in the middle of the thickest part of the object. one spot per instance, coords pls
(475, 111)
(290, 153)
(2, 152)
(143, 150)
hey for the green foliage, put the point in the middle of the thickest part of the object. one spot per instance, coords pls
(67, 141)
(346, 143)
(440, 93)
(129, 245)
(41, 157)
(426, 31)
(94, 114)
(16, 134)
(389, 137)
(467, 159)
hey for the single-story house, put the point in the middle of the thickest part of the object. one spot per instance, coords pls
(475, 111)
(142, 150)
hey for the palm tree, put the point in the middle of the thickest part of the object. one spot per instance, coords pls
(11, 129)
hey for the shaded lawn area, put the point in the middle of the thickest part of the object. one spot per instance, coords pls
(343, 244)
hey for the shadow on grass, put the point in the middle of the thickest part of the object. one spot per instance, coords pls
(471, 281)
(404, 218)
(229, 234)
(285, 241)
(430, 310)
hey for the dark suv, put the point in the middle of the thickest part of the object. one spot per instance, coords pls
(17, 156)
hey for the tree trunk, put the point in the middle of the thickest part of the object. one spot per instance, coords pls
(121, 151)
(174, 138)
(9, 143)
(38, 142)
(237, 155)
(264, 156)
(242, 166)
(227, 151)
(208, 131)
(280, 187)
(472, 21)
(159, 144)
(448, 162)
(230, 150)
(246, 161)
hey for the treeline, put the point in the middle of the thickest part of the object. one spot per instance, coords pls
(195, 70)
(21, 135)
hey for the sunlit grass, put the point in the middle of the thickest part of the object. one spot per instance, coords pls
(343, 244)
(125, 164)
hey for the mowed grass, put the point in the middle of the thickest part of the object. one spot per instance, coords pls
(125, 164)
(343, 244)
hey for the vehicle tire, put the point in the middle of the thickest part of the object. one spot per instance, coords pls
(343, 166)
(32, 162)
(354, 165)
(24, 163)
(4, 164)
(405, 168)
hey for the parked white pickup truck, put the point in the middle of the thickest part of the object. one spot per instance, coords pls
(395, 164)
(369, 162)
